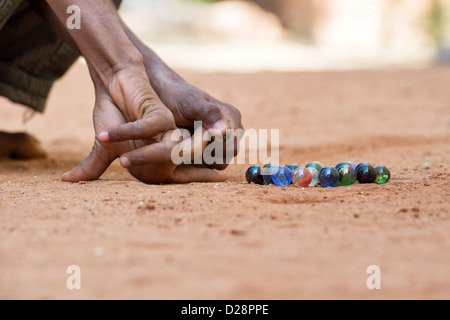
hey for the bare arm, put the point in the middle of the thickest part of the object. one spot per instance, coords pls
(127, 108)
(101, 39)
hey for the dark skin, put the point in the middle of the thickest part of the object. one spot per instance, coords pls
(140, 101)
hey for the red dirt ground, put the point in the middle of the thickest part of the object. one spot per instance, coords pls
(232, 240)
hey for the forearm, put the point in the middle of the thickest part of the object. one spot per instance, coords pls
(101, 39)
(157, 69)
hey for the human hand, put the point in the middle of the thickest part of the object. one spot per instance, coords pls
(130, 121)
(190, 104)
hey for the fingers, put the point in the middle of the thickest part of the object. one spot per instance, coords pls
(233, 116)
(220, 167)
(212, 118)
(220, 116)
(170, 149)
(139, 130)
(92, 167)
(188, 174)
(195, 145)
(151, 154)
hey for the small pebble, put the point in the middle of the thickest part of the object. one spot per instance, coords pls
(426, 165)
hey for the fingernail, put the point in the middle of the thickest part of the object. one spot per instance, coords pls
(220, 125)
(125, 162)
(103, 136)
(67, 173)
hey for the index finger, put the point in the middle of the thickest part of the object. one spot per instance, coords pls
(138, 130)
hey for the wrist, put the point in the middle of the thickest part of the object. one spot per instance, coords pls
(159, 73)
(125, 58)
(107, 67)
(140, 97)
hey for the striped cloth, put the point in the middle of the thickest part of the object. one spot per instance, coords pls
(32, 57)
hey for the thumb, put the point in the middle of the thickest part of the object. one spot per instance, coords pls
(92, 167)
(213, 118)
(188, 174)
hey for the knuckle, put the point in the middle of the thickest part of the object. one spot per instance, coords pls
(212, 113)
(165, 121)
(235, 111)
(187, 102)
(136, 129)
(115, 134)
(212, 109)
(167, 149)
(99, 152)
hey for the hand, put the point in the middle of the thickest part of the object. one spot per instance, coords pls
(130, 121)
(189, 104)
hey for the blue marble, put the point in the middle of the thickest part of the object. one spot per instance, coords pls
(329, 177)
(283, 177)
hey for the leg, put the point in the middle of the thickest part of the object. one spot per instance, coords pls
(20, 146)
(34, 59)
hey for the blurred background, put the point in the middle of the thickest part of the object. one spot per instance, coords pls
(293, 35)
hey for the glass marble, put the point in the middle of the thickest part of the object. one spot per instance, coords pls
(292, 167)
(282, 177)
(269, 165)
(253, 175)
(316, 165)
(362, 164)
(315, 177)
(268, 171)
(347, 175)
(366, 173)
(302, 177)
(383, 175)
(354, 165)
(345, 163)
(329, 177)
